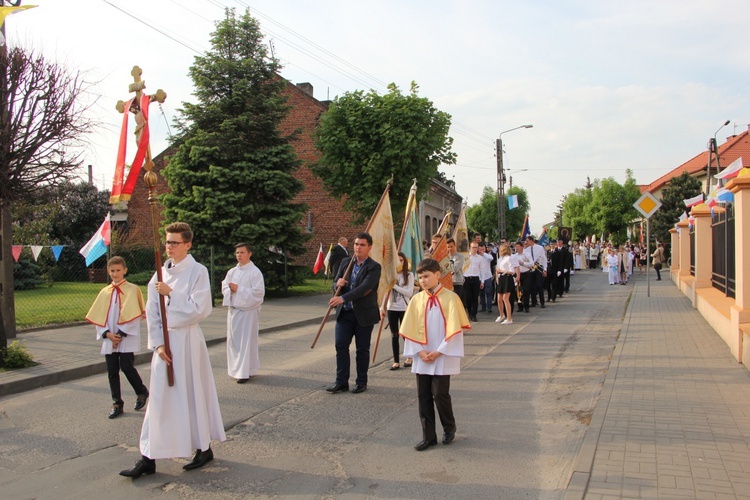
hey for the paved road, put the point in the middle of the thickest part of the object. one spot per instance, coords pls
(521, 406)
(577, 400)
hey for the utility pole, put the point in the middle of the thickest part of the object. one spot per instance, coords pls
(500, 191)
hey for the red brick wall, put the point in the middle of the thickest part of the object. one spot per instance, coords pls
(329, 219)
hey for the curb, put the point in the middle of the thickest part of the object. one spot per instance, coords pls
(579, 479)
(87, 368)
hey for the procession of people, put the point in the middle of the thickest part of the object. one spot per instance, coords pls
(429, 317)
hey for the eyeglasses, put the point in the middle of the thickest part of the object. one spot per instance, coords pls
(173, 243)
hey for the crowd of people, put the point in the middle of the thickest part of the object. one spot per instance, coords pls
(183, 413)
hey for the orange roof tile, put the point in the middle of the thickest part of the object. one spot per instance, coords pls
(735, 147)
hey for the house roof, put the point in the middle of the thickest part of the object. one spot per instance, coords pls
(735, 147)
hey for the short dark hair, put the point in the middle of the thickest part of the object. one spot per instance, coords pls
(449, 241)
(181, 228)
(365, 236)
(429, 265)
(529, 237)
(244, 245)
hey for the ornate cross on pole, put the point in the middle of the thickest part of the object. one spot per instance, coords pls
(139, 107)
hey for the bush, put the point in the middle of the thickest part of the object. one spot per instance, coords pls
(141, 278)
(26, 275)
(16, 356)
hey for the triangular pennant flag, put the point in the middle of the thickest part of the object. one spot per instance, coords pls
(56, 251)
(35, 251)
(16, 249)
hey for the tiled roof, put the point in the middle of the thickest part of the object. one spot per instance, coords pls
(735, 147)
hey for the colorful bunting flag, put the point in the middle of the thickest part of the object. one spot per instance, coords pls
(97, 245)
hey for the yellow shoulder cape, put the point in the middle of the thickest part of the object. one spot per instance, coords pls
(132, 306)
(413, 326)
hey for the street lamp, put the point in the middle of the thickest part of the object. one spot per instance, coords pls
(501, 182)
(713, 150)
(510, 176)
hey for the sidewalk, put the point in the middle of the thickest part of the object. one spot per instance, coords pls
(73, 352)
(673, 418)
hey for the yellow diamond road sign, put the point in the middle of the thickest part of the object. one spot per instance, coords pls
(647, 205)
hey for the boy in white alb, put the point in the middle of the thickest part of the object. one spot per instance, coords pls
(186, 416)
(243, 290)
(433, 334)
(116, 313)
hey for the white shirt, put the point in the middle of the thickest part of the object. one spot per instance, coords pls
(539, 256)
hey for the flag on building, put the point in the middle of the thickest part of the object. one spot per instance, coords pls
(97, 245)
(411, 238)
(695, 200)
(731, 171)
(319, 261)
(512, 201)
(384, 250)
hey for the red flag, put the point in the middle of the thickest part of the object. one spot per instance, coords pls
(319, 261)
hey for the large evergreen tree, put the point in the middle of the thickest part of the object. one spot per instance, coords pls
(366, 138)
(232, 176)
(680, 188)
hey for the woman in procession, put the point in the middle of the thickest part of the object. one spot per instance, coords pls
(506, 275)
(396, 307)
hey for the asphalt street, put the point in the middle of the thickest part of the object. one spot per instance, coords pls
(523, 403)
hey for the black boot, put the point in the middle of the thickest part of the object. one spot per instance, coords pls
(143, 466)
(200, 459)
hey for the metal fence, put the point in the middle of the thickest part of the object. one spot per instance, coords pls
(692, 251)
(59, 289)
(723, 264)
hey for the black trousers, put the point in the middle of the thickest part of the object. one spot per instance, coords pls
(533, 287)
(394, 321)
(471, 295)
(458, 289)
(434, 391)
(123, 361)
(567, 280)
(347, 328)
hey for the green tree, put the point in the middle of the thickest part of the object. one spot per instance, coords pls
(366, 138)
(680, 188)
(232, 176)
(482, 217)
(577, 213)
(612, 207)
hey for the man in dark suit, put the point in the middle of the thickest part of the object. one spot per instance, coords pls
(338, 253)
(562, 257)
(356, 313)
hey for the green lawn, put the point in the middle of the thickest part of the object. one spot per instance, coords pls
(68, 302)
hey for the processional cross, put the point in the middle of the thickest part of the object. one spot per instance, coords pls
(139, 108)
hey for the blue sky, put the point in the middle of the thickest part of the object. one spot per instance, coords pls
(607, 85)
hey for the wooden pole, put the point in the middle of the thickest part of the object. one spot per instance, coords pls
(351, 262)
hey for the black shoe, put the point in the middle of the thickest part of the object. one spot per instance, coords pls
(424, 444)
(116, 411)
(526, 309)
(359, 388)
(489, 311)
(338, 388)
(552, 300)
(200, 459)
(542, 306)
(533, 305)
(140, 402)
(448, 437)
(242, 380)
(143, 466)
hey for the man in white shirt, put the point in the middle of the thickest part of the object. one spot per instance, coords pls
(485, 295)
(474, 277)
(536, 260)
